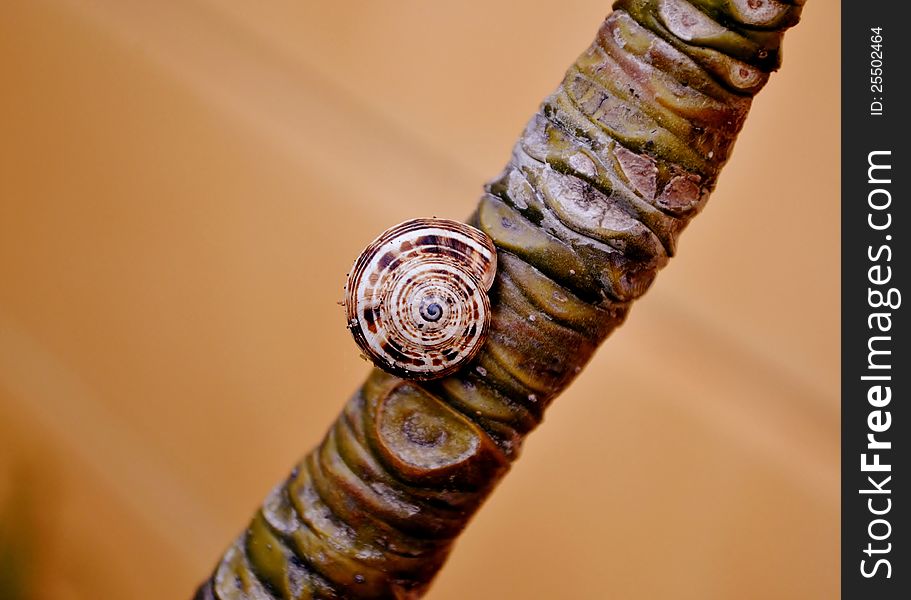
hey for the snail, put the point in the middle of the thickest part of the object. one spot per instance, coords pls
(416, 298)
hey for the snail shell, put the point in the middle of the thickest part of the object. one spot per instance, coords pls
(416, 297)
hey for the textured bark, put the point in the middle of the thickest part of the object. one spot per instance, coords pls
(601, 183)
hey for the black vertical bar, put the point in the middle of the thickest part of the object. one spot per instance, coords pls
(875, 272)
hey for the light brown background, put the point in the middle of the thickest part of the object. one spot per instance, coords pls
(183, 185)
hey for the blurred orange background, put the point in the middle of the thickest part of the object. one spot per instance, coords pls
(183, 186)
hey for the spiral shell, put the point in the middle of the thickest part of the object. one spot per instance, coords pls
(416, 298)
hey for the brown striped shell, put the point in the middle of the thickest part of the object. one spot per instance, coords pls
(416, 297)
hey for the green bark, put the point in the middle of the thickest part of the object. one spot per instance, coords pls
(601, 183)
